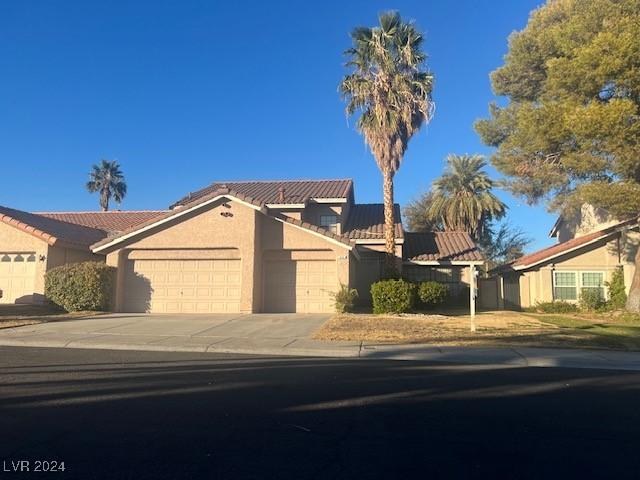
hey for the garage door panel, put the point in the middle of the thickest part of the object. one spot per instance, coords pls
(183, 286)
(17, 276)
(303, 286)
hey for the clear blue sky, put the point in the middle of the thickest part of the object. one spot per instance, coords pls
(183, 93)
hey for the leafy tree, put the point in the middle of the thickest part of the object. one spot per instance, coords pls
(503, 245)
(107, 178)
(391, 90)
(462, 199)
(416, 215)
(570, 131)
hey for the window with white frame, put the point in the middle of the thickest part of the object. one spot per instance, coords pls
(567, 286)
(330, 222)
(592, 281)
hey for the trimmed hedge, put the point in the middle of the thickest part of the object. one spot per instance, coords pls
(433, 294)
(591, 299)
(393, 296)
(553, 307)
(80, 286)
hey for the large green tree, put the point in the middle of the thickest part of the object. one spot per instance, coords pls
(417, 217)
(107, 179)
(462, 198)
(570, 129)
(390, 88)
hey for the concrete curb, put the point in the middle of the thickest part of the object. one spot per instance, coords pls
(505, 357)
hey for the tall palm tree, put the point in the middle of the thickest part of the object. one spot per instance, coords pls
(107, 178)
(462, 197)
(391, 90)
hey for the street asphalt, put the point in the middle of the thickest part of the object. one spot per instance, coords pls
(148, 415)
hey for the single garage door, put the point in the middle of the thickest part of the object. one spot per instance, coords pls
(302, 286)
(17, 276)
(182, 286)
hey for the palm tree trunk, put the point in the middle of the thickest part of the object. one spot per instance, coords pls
(390, 268)
(104, 199)
(633, 300)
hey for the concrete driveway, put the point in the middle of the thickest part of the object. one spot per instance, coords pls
(248, 333)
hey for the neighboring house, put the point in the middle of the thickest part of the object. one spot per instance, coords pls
(264, 246)
(591, 246)
(31, 244)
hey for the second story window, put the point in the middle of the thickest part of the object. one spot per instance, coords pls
(330, 222)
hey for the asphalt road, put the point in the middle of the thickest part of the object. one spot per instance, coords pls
(124, 414)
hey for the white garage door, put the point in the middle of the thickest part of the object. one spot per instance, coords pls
(302, 286)
(182, 286)
(17, 276)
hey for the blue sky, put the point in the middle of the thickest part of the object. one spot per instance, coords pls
(183, 93)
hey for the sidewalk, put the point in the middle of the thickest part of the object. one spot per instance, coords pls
(124, 334)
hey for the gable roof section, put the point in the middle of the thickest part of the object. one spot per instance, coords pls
(268, 192)
(110, 222)
(51, 230)
(206, 200)
(545, 254)
(441, 247)
(366, 222)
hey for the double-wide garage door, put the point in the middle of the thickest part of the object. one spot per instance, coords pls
(302, 286)
(17, 276)
(182, 286)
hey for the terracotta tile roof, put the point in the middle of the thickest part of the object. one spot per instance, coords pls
(51, 230)
(211, 195)
(440, 246)
(564, 247)
(112, 221)
(295, 191)
(366, 222)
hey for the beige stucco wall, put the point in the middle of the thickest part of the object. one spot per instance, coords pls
(588, 219)
(242, 232)
(313, 211)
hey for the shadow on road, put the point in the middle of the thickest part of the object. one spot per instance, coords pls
(156, 415)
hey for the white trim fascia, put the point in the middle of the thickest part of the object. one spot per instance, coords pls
(564, 252)
(320, 235)
(556, 227)
(375, 241)
(329, 200)
(179, 213)
(444, 262)
(285, 205)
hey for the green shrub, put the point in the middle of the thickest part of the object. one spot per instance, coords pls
(393, 296)
(617, 292)
(554, 307)
(591, 299)
(80, 286)
(344, 299)
(432, 294)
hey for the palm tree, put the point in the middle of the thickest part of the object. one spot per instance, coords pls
(462, 197)
(391, 90)
(107, 178)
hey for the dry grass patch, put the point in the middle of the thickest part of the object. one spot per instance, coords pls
(437, 329)
(493, 329)
(19, 315)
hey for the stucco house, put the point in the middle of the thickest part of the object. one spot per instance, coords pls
(591, 245)
(251, 246)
